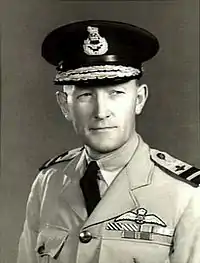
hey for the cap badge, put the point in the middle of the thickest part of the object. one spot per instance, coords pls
(95, 44)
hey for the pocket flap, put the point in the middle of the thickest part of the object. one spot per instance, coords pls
(50, 241)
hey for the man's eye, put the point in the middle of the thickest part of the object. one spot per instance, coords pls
(84, 95)
(117, 92)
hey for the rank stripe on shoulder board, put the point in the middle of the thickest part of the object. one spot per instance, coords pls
(195, 178)
(66, 156)
(52, 160)
(182, 169)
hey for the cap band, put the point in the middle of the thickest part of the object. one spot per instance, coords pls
(97, 72)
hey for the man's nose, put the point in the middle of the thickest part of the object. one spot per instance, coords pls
(102, 109)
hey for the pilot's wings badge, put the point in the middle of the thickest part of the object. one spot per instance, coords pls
(141, 217)
(141, 225)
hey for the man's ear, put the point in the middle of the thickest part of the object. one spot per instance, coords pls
(142, 95)
(63, 103)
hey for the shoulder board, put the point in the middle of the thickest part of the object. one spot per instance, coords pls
(66, 156)
(182, 170)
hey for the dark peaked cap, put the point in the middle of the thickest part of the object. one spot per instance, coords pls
(98, 50)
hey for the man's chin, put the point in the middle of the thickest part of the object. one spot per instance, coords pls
(103, 147)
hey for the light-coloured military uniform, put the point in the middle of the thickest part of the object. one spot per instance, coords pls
(147, 215)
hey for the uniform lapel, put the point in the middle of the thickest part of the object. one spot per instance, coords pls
(71, 192)
(120, 197)
(140, 169)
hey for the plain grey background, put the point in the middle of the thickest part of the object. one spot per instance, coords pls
(33, 128)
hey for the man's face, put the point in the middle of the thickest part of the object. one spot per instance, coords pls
(104, 117)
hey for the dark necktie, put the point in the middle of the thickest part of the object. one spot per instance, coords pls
(89, 187)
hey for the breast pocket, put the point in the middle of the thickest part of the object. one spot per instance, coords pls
(50, 243)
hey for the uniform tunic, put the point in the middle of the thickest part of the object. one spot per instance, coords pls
(147, 215)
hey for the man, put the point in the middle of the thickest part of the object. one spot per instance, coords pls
(114, 199)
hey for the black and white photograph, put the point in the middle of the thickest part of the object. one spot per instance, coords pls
(100, 132)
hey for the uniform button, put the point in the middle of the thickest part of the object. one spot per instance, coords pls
(85, 236)
(161, 156)
(41, 249)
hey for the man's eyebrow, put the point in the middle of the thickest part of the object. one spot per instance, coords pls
(80, 89)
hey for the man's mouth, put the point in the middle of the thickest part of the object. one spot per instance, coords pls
(106, 128)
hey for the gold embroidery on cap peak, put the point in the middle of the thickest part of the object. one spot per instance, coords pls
(97, 72)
